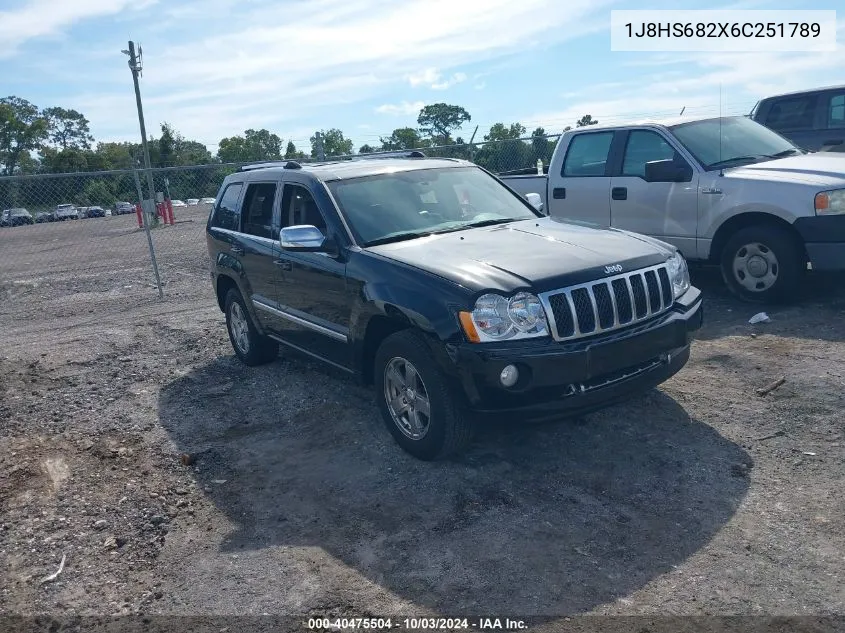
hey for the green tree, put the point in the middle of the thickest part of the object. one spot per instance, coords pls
(118, 155)
(291, 153)
(254, 145)
(68, 129)
(174, 149)
(58, 161)
(334, 143)
(403, 138)
(585, 121)
(502, 132)
(366, 149)
(438, 120)
(22, 129)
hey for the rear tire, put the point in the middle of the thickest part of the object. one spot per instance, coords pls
(415, 401)
(250, 346)
(763, 264)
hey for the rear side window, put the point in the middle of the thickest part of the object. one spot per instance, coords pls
(227, 215)
(587, 154)
(795, 113)
(836, 111)
(258, 209)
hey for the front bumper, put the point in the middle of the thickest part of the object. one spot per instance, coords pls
(580, 376)
(824, 239)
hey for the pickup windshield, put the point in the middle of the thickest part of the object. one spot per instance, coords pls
(409, 204)
(743, 141)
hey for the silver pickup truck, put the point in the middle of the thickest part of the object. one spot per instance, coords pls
(723, 190)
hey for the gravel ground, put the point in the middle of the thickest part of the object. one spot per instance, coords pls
(174, 480)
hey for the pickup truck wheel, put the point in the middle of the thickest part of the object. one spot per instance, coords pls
(763, 264)
(415, 401)
(250, 346)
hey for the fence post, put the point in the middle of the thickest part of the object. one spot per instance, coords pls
(149, 235)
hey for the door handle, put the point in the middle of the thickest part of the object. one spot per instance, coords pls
(559, 193)
(283, 264)
(237, 250)
(619, 193)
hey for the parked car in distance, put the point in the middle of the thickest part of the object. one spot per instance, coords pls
(16, 217)
(726, 191)
(81, 212)
(207, 200)
(813, 120)
(65, 212)
(192, 202)
(43, 216)
(123, 208)
(447, 291)
(178, 203)
(95, 212)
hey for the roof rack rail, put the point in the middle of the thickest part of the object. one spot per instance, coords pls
(414, 153)
(284, 164)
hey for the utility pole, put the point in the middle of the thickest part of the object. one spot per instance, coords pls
(149, 212)
(318, 141)
(135, 67)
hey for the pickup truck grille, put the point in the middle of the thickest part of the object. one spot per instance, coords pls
(608, 304)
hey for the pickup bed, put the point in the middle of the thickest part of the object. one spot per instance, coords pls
(723, 190)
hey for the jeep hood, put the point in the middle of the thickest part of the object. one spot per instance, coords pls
(822, 169)
(540, 254)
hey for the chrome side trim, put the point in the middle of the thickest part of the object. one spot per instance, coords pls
(311, 354)
(338, 336)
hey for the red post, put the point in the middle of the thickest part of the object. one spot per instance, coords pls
(169, 204)
(140, 215)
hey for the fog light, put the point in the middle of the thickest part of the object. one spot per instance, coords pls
(509, 376)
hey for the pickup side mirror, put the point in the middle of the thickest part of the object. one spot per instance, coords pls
(302, 238)
(668, 170)
(535, 200)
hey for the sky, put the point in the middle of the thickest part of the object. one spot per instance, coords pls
(213, 68)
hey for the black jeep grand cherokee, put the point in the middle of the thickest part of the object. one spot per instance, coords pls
(447, 290)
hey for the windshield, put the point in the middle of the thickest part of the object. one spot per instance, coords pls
(743, 141)
(403, 205)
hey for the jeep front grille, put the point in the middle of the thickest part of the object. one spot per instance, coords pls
(608, 304)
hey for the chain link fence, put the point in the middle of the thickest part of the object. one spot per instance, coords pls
(75, 248)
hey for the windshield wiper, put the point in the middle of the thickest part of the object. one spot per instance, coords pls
(786, 152)
(398, 237)
(473, 225)
(735, 159)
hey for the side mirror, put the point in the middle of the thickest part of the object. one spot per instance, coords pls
(667, 171)
(303, 238)
(535, 200)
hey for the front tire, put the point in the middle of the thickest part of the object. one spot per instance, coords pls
(250, 346)
(763, 264)
(415, 401)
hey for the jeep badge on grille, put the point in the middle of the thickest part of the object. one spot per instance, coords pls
(615, 268)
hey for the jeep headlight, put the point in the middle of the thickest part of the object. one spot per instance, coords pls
(678, 274)
(497, 318)
(830, 202)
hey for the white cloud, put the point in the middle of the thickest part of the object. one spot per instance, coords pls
(448, 83)
(693, 82)
(481, 85)
(398, 109)
(427, 76)
(42, 18)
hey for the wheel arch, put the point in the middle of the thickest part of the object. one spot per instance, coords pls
(744, 220)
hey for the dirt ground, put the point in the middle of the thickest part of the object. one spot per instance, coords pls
(174, 480)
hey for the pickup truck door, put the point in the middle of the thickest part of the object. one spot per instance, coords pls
(582, 189)
(665, 210)
(312, 292)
